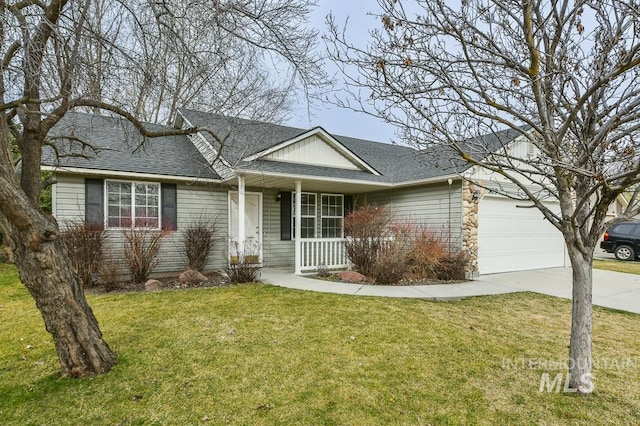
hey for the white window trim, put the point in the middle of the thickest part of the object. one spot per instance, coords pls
(322, 216)
(133, 204)
(293, 215)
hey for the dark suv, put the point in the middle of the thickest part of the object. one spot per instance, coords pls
(623, 240)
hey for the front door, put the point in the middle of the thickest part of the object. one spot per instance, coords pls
(252, 225)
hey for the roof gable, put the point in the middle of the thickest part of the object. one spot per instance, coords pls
(253, 146)
(315, 147)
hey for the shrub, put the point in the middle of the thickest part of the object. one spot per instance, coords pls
(452, 266)
(366, 229)
(141, 248)
(109, 276)
(323, 271)
(428, 250)
(243, 273)
(198, 240)
(243, 263)
(85, 245)
(390, 267)
(387, 250)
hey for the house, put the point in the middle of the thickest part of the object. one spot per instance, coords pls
(618, 207)
(288, 189)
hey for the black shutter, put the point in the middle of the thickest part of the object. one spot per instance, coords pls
(94, 202)
(348, 205)
(169, 207)
(285, 216)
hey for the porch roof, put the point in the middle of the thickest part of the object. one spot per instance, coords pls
(318, 183)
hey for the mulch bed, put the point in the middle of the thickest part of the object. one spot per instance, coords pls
(336, 278)
(215, 279)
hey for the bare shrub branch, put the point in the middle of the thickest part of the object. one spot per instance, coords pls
(85, 245)
(366, 228)
(243, 263)
(141, 249)
(199, 239)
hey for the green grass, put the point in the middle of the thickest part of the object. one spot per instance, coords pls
(617, 266)
(257, 354)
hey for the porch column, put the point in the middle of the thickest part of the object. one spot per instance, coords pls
(241, 230)
(298, 224)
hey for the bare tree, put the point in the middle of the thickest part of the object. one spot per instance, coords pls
(562, 75)
(216, 56)
(60, 55)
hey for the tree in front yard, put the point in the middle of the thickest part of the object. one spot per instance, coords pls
(466, 78)
(138, 60)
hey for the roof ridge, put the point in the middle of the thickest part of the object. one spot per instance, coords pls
(117, 118)
(246, 120)
(300, 129)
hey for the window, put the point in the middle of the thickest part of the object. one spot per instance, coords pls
(307, 215)
(624, 228)
(332, 215)
(133, 204)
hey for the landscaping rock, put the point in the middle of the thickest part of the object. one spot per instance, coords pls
(191, 277)
(351, 276)
(152, 285)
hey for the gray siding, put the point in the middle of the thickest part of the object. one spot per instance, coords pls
(429, 205)
(433, 206)
(194, 200)
(424, 205)
(68, 199)
(277, 253)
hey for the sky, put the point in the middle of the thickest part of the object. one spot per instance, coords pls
(334, 119)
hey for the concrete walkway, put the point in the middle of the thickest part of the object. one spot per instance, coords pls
(610, 289)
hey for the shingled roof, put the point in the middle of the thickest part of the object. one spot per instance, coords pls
(245, 138)
(119, 147)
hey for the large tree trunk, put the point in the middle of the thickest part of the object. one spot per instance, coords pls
(580, 357)
(45, 270)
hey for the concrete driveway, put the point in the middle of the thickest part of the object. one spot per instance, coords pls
(615, 290)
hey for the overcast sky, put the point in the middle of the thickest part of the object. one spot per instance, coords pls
(333, 119)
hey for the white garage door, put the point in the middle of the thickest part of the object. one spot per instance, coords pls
(512, 238)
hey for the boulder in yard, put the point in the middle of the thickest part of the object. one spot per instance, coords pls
(152, 285)
(351, 276)
(191, 277)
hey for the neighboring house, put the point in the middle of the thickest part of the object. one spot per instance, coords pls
(286, 188)
(618, 207)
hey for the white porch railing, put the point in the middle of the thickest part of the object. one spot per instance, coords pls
(329, 252)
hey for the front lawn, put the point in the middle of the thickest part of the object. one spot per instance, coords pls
(257, 354)
(617, 265)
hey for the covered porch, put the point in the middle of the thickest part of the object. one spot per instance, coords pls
(311, 215)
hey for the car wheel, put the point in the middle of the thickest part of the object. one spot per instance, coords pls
(625, 253)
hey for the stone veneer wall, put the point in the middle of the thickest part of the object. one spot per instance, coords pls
(470, 226)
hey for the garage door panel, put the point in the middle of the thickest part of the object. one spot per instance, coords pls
(515, 239)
